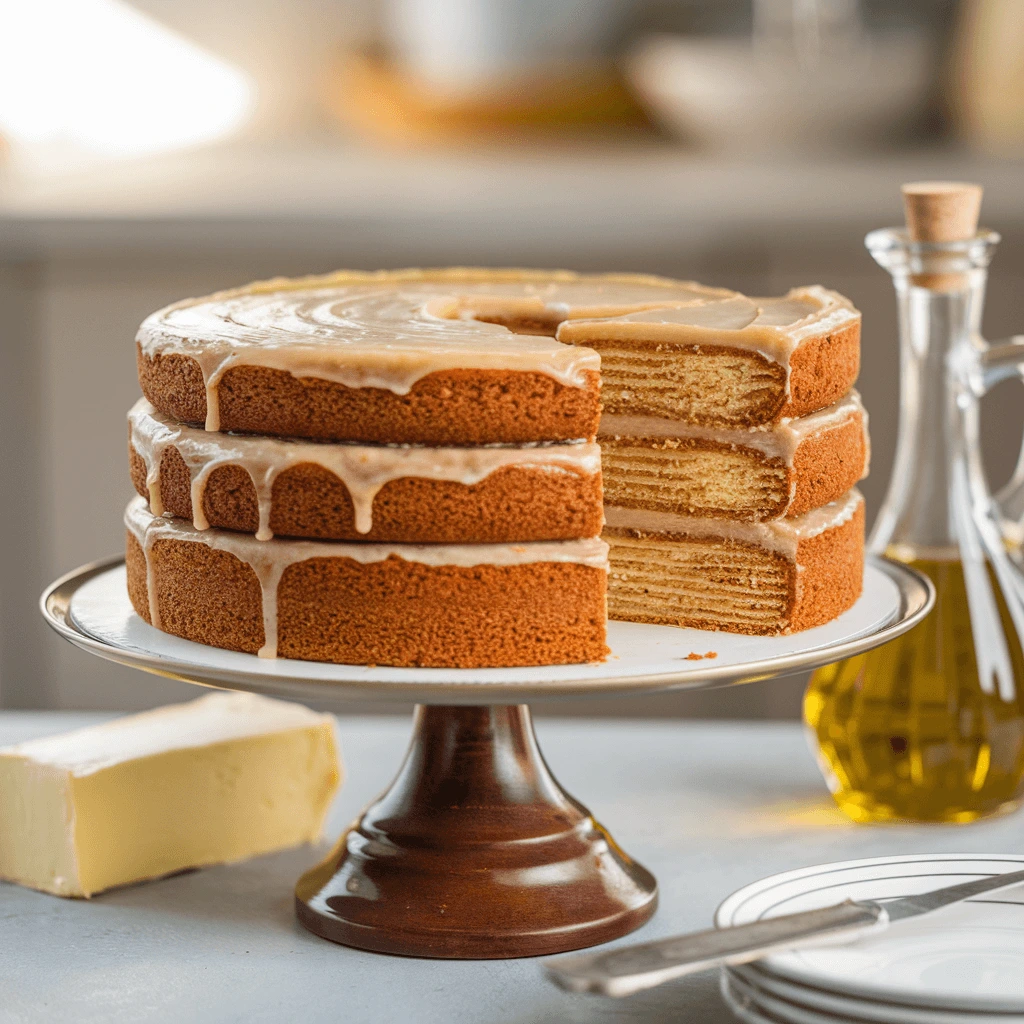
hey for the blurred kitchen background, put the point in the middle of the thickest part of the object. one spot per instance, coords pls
(155, 149)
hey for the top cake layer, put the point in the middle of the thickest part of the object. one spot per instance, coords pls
(464, 356)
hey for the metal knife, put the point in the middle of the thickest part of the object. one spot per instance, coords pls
(629, 969)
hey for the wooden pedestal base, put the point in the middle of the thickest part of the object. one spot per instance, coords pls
(475, 852)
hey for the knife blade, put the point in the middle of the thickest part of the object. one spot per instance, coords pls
(629, 969)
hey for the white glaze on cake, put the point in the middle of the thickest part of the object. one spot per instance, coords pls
(780, 535)
(363, 469)
(777, 441)
(269, 561)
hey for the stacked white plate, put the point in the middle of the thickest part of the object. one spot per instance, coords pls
(960, 965)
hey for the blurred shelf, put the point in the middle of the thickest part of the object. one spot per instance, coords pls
(385, 202)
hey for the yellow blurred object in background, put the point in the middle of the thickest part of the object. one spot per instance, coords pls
(987, 83)
(371, 94)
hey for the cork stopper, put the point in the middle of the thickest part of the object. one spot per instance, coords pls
(941, 211)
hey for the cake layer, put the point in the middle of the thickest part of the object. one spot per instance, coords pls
(457, 407)
(219, 779)
(452, 357)
(458, 605)
(269, 486)
(763, 578)
(727, 360)
(754, 474)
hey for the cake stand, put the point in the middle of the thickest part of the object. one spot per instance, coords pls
(475, 851)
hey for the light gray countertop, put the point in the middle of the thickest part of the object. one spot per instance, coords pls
(706, 807)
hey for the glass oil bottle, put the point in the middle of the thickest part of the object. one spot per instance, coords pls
(930, 727)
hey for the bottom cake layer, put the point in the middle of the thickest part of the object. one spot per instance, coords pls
(457, 606)
(762, 578)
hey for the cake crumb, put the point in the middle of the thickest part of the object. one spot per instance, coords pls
(694, 656)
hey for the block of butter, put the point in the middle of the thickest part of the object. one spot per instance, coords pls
(218, 779)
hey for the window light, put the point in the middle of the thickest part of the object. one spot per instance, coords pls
(98, 77)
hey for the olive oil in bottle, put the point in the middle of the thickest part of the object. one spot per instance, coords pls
(906, 731)
(930, 727)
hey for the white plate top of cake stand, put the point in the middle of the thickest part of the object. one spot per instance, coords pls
(90, 608)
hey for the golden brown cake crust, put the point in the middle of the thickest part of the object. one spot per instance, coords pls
(833, 573)
(454, 407)
(822, 370)
(512, 504)
(828, 464)
(380, 613)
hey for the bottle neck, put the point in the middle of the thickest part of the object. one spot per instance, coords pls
(915, 519)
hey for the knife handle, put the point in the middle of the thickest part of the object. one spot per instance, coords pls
(621, 972)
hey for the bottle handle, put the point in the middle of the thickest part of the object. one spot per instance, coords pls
(1004, 360)
(978, 517)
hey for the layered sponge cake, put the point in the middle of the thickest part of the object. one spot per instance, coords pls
(400, 467)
